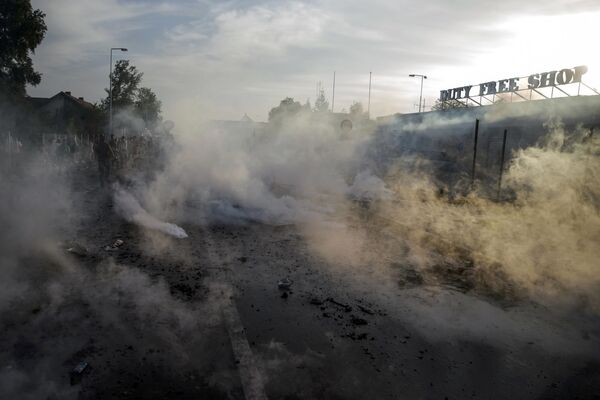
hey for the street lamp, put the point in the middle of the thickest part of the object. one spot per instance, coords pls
(110, 89)
(421, 95)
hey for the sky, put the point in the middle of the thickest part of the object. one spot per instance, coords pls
(221, 59)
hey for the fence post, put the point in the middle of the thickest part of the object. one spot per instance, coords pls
(502, 163)
(474, 153)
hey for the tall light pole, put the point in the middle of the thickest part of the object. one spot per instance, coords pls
(369, 103)
(333, 95)
(421, 95)
(110, 124)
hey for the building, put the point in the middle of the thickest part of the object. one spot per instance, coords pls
(63, 114)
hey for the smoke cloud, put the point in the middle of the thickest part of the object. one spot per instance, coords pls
(64, 299)
(387, 223)
(293, 173)
(539, 243)
(128, 207)
(542, 241)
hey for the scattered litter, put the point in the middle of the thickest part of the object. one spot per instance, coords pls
(78, 372)
(78, 250)
(365, 310)
(75, 248)
(357, 336)
(358, 321)
(284, 284)
(346, 307)
(117, 243)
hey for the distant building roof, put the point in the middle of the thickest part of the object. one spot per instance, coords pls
(39, 102)
(246, 118)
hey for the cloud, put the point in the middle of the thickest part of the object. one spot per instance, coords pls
(228, 58)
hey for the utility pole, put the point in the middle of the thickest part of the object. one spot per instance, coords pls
(421, 95)
(333, 95)
(474, 154)
(369, 103)
(110, 124)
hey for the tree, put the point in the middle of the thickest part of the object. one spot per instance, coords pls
(22, 29)
(127, 96)
(125, 81)
(357, 110)
(147, 106)
(286, 108)
(321, 104)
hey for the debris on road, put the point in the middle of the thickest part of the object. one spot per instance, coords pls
(78, 372)
(346, 307)
(116, 244)
(284, 284)
(76, 249)
(357, 336)
(315, 302)
(182, 290)
(365, 310)
(358, 321)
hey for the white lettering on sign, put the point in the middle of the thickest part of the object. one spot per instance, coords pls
(534, 81)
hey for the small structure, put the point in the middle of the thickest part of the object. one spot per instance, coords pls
(62, 115)
(62, 110)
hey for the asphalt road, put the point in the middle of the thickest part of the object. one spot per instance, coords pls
(204, 317)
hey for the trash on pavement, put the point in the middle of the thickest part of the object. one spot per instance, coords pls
(346, 307)
(359, 321)
(365, 310)
(77, 249)
(117, 243)
(78, 372)
(284, 284)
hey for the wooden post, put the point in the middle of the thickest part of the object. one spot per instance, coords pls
(502, 163)
(474, 153)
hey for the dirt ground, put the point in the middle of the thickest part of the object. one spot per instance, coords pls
(151, 318)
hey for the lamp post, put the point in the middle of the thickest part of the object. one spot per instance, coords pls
(421, 95)
(110, 124)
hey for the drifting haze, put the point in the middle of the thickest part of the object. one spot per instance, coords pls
(222, 59)
(542, 244)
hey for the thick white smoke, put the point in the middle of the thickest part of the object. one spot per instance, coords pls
(128, 207)
(541, 244)
(294, 173)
